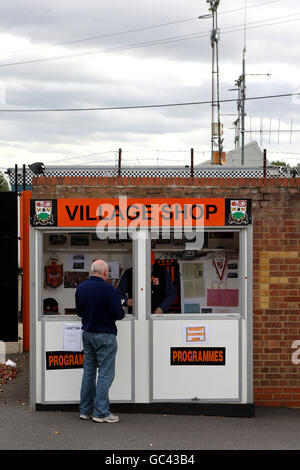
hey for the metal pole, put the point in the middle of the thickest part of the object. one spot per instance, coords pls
(192, 163)
(213, 89)
(24, 177)
(119, 162)
(220, 148)
(243, 111)
(265, 163)
(244, 88)
(16, 179)
(216, 141)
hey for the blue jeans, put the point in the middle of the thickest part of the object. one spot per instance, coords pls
(99, 353)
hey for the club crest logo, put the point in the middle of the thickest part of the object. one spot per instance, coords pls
(43, 213)
(238, 212)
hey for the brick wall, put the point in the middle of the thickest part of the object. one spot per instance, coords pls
(276, 261)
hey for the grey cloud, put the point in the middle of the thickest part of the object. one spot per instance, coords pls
(85, 81)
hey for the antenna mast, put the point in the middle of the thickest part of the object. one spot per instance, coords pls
(243, 88)
(216, 127)
(243, 97)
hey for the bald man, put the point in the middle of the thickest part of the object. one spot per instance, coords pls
(99, 305)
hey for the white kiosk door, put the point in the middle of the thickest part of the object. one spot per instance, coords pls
(63, 369)
(184, 371)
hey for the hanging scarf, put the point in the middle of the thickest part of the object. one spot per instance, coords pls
(53, 272)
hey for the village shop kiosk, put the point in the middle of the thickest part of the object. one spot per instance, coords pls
(196, 357)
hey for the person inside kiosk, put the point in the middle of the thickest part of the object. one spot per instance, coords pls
(163, 292)
(205, 277)
(204, 280)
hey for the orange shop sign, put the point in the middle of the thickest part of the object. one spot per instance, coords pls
(125, 213)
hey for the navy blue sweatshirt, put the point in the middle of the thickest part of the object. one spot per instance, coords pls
(99, 305)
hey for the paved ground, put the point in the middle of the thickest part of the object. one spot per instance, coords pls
(22, 428)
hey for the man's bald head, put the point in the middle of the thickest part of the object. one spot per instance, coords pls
(99, 268)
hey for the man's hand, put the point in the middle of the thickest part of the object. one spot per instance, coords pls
(130, 302)
(158, 310)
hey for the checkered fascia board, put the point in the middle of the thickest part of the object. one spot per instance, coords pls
(151, 172)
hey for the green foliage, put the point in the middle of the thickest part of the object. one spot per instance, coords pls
(278, 163)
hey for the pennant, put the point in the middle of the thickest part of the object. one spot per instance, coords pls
(219, 263)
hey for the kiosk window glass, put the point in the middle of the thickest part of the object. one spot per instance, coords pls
(67, 259)
(195, 276)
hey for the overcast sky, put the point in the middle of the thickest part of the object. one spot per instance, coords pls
(112, 53)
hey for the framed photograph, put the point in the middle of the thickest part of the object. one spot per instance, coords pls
(57, 240)
(73, 279)
(80, 239)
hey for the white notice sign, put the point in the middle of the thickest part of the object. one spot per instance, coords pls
(72, 337)
(195, 334)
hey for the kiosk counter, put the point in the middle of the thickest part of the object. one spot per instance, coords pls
(190, 354)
